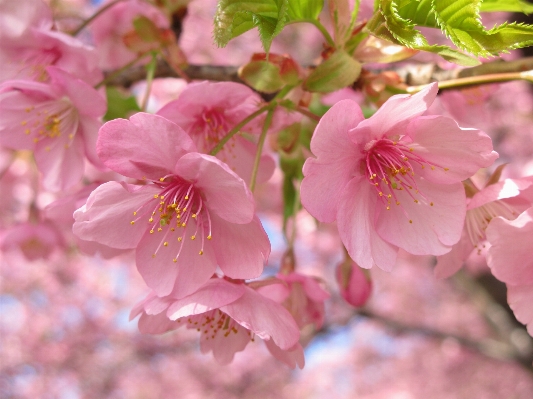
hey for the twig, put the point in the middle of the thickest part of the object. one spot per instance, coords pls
(412, 75)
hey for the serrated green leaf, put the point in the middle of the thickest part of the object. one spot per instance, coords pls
(338, 71)
(452, 55)
(304, 9)
(119, 105)
(459, 20)
(234, 17)
(507, 6)
(505, 37)
(400, 31)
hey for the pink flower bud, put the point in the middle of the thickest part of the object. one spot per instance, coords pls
(354, 286)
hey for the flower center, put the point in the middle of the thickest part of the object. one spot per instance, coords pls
(211, 323)
(478, 219)
(172, 210)
(50, 120)
(212, 125)
(388, 165)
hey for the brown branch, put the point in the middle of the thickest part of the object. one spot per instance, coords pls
(412, 75)
(491, 348)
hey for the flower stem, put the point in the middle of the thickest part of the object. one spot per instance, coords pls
(114, 74)
(478, 80)
(307, 113)
(150, 70)
(94, 16)
(238, 127)
(261, 142)
(295, 209)
(320, 27)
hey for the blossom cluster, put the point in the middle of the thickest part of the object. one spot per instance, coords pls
(174, 189)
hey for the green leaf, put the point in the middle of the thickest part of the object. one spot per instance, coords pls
(396, 29)
(234, 17)
(507, 6)
(505, 37)
(146, 29)
(262, 76)
(459, 20)
(291, 165)
(305, 9)
(338, 71)
(119, 105)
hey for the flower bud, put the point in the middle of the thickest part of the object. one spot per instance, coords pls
(354, 285)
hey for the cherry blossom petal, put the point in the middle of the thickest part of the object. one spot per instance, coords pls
(395, 114)
(156, 324)
(265, 318)
(212, 295)
(145, 146)
(355, 218)
(89, 128)
(336, 156)
(164, 275)
(426, 227)
(107, 215)
(62, 166)
(510, 255)
(311, 286)
(84, 97)
(448, 264)
(520, 298)
(241, 158)
(224, 191)
(292, 357)
(241, 249)
(507, 188)
(458, 153)
(225, 347)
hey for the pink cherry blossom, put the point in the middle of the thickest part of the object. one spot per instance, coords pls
(498, 199)
(208, 111)
(110, 28)
(28, 58)
(301, 295)
(60, 214)
(354, 285)
(29, 45)
(35, 241)
(510, 255)
(17, 17)
(58, 120)
(228, 316)
(193, 214)
(469, 106)
(393, 180)
(510, 261)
